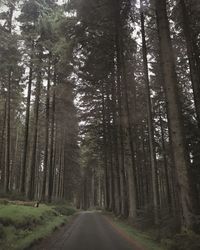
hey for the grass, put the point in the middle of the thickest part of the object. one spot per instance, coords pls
(181, 241)
(21, 226)
(19, 215)
(142, 238)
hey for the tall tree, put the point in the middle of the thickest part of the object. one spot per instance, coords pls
(180, 153)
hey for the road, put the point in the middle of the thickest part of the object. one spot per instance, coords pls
(89, 231)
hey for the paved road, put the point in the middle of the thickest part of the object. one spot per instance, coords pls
(89, 231)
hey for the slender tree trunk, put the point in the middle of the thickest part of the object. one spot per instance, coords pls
(59, 170)
(146, 169)
(169, 199)
(194, 60)
(106, 171)
(121, 113)
(116, 151)
(54, 161)
(31, 182)
(180, 154)
(126, 140)
(7, 152)
(50, 186)
(110, 150)
(15, 170)
(2, 166)
(150, 121)
(26, 133)
(46, 153)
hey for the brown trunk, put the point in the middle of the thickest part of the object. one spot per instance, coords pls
(106, 170)
(26, 133)
(194, 61)
(46, 153)
(50, 186)
(169, 199)
(7, 151)
(2, 148)
(150, 121)
(110, 150)
(116, 151)
(175, 117)
(31, 182)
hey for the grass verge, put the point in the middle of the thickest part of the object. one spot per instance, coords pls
(142, 238)
(181, 241)
(21, 226)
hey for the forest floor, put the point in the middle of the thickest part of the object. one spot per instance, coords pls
(95, 231)
(22, 224)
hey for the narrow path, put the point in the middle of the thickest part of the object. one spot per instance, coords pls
(89, 231)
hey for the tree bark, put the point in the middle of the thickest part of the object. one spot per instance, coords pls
(106, 171)
(150, 120)
(26, 133)
(31, 182)
(50, 186)
(180, 154)
(46, 153)
(2, 148)
(194, 60)
(7, 152)
(115, 150)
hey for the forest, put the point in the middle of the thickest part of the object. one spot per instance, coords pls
(100, 106)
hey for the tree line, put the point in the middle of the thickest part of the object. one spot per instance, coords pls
(139, 96)
(39, 129)
(100, 104)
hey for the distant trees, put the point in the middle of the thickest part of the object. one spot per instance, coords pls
(133, 72)
(42, 148)
(133, 94)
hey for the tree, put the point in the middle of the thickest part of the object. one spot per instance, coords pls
(175, 117)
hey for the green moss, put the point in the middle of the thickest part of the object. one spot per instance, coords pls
(22, 216)
(142, 238)
(39, 233)
(21, 225)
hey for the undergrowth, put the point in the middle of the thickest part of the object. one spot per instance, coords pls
(21, 225)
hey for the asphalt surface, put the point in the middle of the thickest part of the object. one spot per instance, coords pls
(89, 231)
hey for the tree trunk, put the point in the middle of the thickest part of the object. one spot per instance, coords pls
(50, 186)
(26, 133)
(194, 61)
(180, 154)
(31, 182)
(169, 199)
(115, 150)
(2, 148)
(7, 152)
(46, 153)
(150, 121)
(106, 171)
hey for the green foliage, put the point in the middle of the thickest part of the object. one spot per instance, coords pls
(141, 237)
(24, 216)
(21, 226)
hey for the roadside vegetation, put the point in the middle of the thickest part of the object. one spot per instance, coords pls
(144, 239)
(150, 240)
(22, 224)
